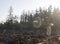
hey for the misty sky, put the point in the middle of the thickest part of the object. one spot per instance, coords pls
(20, 5)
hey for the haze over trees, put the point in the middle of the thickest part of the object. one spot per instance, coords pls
(50, 15)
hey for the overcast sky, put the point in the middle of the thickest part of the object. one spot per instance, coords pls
(20, 5)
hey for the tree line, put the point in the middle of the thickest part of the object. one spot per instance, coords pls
(50, 15)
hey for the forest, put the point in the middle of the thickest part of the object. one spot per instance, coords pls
(26, 26)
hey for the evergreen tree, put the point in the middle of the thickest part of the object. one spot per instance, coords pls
(10, 16)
